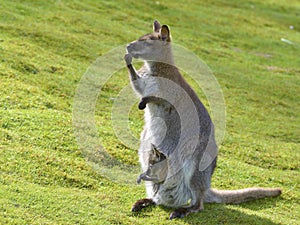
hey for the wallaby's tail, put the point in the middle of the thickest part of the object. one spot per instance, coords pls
(239, 196)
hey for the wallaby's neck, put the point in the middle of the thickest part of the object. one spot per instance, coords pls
(157, 67)
(161, 68)
(163, 63)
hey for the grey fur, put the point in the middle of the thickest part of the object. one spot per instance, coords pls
(186, 140)
(158, 167)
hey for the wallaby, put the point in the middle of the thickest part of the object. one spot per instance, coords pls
(184, 140)
(157, 168)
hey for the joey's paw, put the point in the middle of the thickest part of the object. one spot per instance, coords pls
(138, 181)
(128, 59)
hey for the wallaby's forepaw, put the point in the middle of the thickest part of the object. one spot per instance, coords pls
(142, 203)
(128, 59)
(142, 104)
(147, 99)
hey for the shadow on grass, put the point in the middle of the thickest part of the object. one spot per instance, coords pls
(262, 203)
(218, 214)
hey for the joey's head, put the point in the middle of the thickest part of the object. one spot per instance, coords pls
(155, 155)
(155, 46)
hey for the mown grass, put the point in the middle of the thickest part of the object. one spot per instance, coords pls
(45, 48)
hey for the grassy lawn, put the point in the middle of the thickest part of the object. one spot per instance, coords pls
(252, 48)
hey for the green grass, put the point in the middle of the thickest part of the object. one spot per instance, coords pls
(46, 47)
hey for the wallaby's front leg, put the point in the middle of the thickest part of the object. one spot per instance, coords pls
(184, 211)
(135, 78)
(147, 99)
(133, 74)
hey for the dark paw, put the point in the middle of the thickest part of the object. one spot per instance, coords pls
(179, 213)
(136, 207)
(142, 104)
(128, 59)
(140, 204)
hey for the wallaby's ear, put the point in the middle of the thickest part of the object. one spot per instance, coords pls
(165, 33)
(156, 26)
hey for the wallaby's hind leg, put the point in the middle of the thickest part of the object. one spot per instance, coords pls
(142, 203)
(184, 211)
(199, 184)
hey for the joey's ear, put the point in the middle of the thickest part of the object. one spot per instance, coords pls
(156, 26)
(153, 147)
(165, 33)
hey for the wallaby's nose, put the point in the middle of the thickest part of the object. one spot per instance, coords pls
(131, 44)
(128, 46)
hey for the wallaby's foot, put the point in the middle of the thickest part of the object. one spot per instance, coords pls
(128, 59)
(142, 203)
(179, 213)
(182, 212)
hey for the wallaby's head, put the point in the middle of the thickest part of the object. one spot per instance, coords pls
(155, 46)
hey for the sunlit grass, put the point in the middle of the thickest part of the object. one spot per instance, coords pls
(46, 47)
